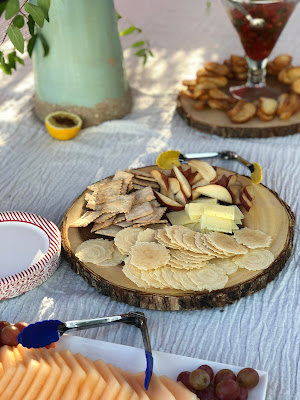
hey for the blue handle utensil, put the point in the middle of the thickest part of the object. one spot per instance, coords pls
(44, 333)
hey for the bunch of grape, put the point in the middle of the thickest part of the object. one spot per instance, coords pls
(9, 332)
(225, 385)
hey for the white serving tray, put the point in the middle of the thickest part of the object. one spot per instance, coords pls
(133, 359)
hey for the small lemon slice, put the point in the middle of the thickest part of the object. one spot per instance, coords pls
(63, 125)
(166, 159)
(256, 175)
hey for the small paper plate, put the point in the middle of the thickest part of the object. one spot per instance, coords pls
(133, 359)
(30, 248)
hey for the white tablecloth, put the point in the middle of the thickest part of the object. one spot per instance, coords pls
(44, 176)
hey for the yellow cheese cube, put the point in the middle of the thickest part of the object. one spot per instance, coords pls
(178, 217)
(216, 210)
(216, 224)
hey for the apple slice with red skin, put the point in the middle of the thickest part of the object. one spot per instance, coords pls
(185, 186)
(174, 185)
(185, 169)
(223, 181)
(194, 177)
(195, 194)
(245, 202)
(162, 179)
(216, 192)
(235, 191)
(249, 192)
(181, 198)
(206, 170)
(232, 179)
(167, 202)
(202, 182)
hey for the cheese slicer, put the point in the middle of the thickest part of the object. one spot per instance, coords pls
(41, 334)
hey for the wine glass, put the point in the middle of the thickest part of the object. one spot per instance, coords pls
(259, 24)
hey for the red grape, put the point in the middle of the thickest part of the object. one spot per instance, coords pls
(9, 335)
(228, 390)
(224, 374)
(207, 393)
(243, 394)
(21, 325)
(199, 379)
(183, 377)
(248, 378)
(3, 324)
(209, 370)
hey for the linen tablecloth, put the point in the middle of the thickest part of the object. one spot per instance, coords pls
(44, 176)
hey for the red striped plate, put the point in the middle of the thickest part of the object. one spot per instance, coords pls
(30, 248)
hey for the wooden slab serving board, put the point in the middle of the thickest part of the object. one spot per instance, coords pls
(216, 122)
(269, 213)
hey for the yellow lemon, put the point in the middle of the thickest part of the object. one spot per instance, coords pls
(256, 175)
(63, 125)
(166, 159)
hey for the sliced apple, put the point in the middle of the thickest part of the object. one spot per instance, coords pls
(206, 170)
(245, 202)
(174, 185)
(181, 198)
(235, 191)
(216, 192)
(186, 169)
(223, 181)
(193, 177)
(195, 195)
(167, 202)
(249, 192)
(185, 186)
(162, 179)
(232, 180)
(215, 180)
(202, 182)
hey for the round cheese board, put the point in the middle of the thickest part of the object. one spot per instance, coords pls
(269, 214)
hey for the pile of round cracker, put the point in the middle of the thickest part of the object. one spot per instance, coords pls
(175, 257)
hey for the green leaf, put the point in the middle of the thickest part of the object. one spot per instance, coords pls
(19, 60)
(11, 9)
(12, 60)
(140, 53)
(129, 30)
(138, 44)
(36, 13)
(44, 44)
(16, 38)
(3, 65)
(30, 44)
(19, 21)
(44, 6)
(31, 25)
(2, 7)
(119, 16)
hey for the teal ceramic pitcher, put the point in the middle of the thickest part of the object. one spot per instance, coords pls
(83, 72)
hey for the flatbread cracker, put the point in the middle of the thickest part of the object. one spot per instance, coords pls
(111, 230)
(85, 219)
(143, 195)
(141, 182)
(255, 260)
(152, 218)
(126, 178)
(104, 224)
(252, 238)
(139, 211)
(122, 204)
(149, 255)
(108, 191)
(226, 243)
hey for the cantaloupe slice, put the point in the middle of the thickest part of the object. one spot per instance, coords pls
(32, 367)
(87, 387)
(78, 376)
(134, 384)
(179, 391)
(112, 385)
(101, 383)
(65, 374)
(53, 377)
(9, 366)
(156, 390)
(17, 377)
(39, 379)
(126, 392)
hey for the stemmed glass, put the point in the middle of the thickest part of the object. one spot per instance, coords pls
(259, 24)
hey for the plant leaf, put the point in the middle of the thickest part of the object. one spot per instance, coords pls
(44, 44)
(138, 44)
(6, 68)
(31, 25)
(44, 6)
(2, 7)
(19, 60)
(129, 30)
(30, 44)
(19, 21)
(140, 53)
(11, 9)
(12, 60)
(16, 38)
(36, 13)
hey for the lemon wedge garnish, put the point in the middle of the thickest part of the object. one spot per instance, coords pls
(63, 125)
(256, 175)
(166, 159)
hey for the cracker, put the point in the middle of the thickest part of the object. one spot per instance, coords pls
(119, 218)
(252, 238)
(149, 255)
(141, 182)
(152, 218)
(126, 178)
(137, 187)
(103, 217)
(111, 230)
(116, 258)
(139, 211)
(168, 276)
(226, 243)
(139, 172)
(143, 195)
(94, 186)
(103, 224)
(85, 219)
(126, 238)
(148, 235)
(227, 264)
(255, 260)
(149, 277)
(108, 190)
(154, 203)
(162, 237)
(122, 204)
(134, 274)
(125, 224)
(208, 278)
(185, 280)
(94, 251)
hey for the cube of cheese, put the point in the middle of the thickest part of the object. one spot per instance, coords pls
(216, 210)
(216, 224)
(178, 217)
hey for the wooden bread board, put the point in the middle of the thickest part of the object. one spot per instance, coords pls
(269, 213)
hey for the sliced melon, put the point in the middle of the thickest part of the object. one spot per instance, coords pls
(77, 377)
(92, 375)
(157, 390)
(9, 365)
(53, 377)
(178, 389)
(126, 392)
(40, 378)
(64, 376)
(112, 385)
(19, 372)
(134, 384)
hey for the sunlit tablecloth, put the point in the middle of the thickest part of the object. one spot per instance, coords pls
(44, 176)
